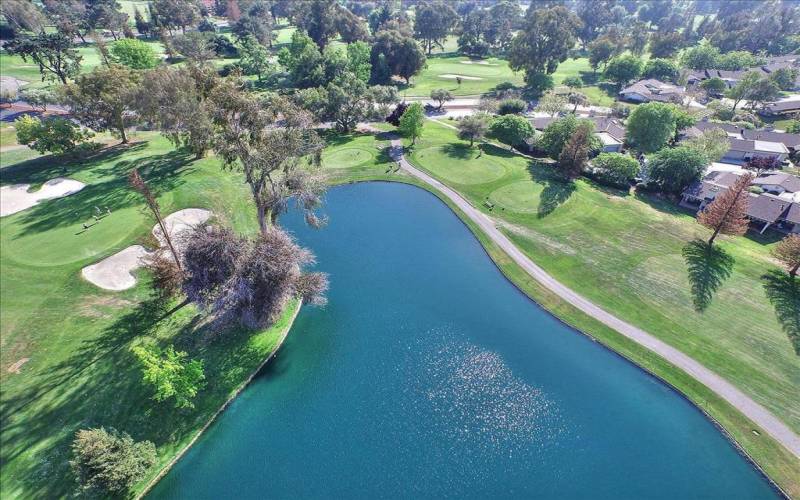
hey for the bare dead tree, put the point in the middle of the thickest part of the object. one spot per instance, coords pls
(137, 183)
(727, 213)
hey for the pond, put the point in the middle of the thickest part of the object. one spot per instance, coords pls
(429, 375)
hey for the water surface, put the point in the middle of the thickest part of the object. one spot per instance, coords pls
(429, 375)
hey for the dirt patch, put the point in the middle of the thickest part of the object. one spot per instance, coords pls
(15, 368)
(93, 307)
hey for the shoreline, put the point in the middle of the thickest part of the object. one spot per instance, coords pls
(662, 378)
(241, 387)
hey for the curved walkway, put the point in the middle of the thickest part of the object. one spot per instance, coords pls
(754, 411)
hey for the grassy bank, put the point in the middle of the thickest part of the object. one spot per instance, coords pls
(657, 225)
(70, 340)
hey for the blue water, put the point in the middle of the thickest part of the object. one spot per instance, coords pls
(429, 375)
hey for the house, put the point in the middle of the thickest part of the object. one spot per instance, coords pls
(653, 90)
(610, 131)
(783, 107)
(731, 78)
(778, 206)
(747, 144)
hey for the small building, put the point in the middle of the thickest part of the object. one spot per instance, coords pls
(791, 142)
(782, 107)
(778, 183)
(610, 131)
(653, 90)
(742, 150)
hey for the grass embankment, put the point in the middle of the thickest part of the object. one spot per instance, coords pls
(71, 340)
(624, 253)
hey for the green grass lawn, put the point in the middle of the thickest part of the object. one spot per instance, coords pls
(76, 337)
(479, 78)
(625, 253)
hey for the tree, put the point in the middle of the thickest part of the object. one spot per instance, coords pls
(472, 40)
(727, 213)
(348, 100)
(271, 158)
(713, 143)
(788, 252)
(575, 153)
(23, 15)
(661, 69)
(665, 44)
(760, 164)
(104, 99)
(793, 127)
(737, 60)
(433, 22)
(319, 19)
(703, 56)
(615, 169)
(577, 99)
(53, 135)
(683, 119)
(171, 374)
(763, 92)
(546, 37)
(503, 20)
(109, 462)
(784, 78)
(400, 54)
(257, 22)
(672, 169)
(513, 130)
(473, 127)
(744, 88)
(651, 126)
(622, 69)
(255, 58)
(351, 28)
(556, 134)
(250, 280)
(551, 103)
(358, 55)
(133, 53)
(69, 16)
(195, 46)
(713, 86)
(142, 26)
(140, 186)
(600, 51)
(106, 14)
(53, 52)
(441, 96)
(172, 14)
(412, 121)
(302, 59)
(595, 16)
(638, 36)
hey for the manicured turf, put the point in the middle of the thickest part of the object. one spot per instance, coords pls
(77, 338)
(491, 74)
(625, 253)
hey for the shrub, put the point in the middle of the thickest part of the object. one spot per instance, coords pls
(109, 462)
(511, 129)
(39, 98)
(614, 169)
(572, 81)
(53, 135)
(134, 54)
(171, 374)
(661, 69)
(673, 169)
(511, 107)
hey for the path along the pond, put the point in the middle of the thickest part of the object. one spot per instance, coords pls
(754, 411)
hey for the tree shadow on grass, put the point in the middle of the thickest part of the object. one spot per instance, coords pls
(162, 173)
(556, 189)
(783, 292)
(42, 169)
(459, 151)
(708, 267)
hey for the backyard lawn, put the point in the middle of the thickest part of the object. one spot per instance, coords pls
(70, 341)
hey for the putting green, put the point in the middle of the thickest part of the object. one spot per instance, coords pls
(68, 242)
(346, 158)
(522, 196)
(459, 164)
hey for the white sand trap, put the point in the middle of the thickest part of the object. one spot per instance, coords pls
(114, 272)
(16, 198)
(482, 63)
(179, 222)
(463, 77)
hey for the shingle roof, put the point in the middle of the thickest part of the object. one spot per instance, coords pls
(787, 181)
(655, 90)
(711, 185)
(781, 106)
(766, 207)
(793, 214)
(752, 146)
(788, 140)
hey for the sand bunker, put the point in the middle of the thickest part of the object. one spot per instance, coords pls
(16, 198)
(483, 63)
(179, 222)
(463, 77)
(11, 84)
(114, 272)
